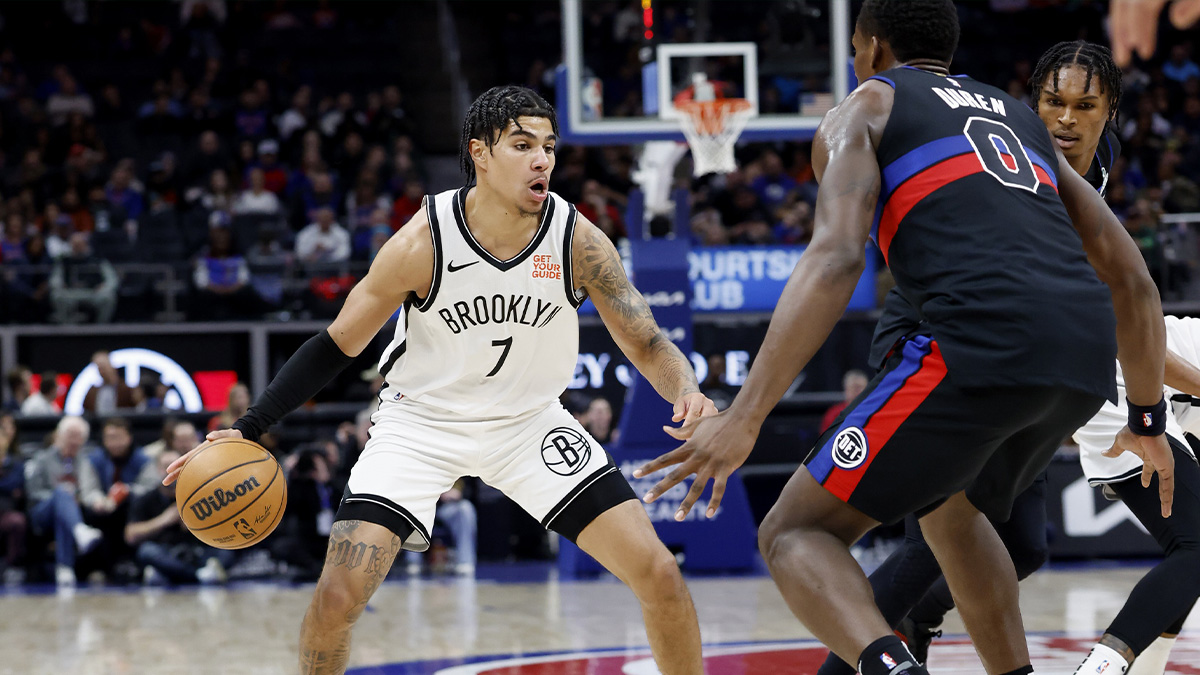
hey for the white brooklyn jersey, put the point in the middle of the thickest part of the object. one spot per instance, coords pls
(493, 338)
(1183, 338)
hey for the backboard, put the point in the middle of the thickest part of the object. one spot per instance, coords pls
(625, 62)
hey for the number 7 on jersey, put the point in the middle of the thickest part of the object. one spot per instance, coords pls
(507, 344)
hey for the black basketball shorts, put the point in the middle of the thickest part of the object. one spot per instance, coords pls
(913, 438)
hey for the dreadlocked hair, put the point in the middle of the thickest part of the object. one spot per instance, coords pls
(1095, 59)
(490, 114)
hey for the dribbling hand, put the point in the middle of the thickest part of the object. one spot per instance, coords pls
(177, 466)
(1156, 458)
(718, 445)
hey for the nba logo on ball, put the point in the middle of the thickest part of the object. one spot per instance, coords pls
(565, 451)
(850, 448)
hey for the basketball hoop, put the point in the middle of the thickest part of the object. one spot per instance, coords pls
(712, 128)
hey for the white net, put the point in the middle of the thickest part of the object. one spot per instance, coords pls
(712, 128)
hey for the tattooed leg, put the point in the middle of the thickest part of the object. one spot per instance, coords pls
(359, 557)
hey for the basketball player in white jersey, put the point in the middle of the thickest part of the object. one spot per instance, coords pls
(1141, 636)
(488, 278)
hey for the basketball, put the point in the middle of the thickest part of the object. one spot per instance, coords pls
(231, 494)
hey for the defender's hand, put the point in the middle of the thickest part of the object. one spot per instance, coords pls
(718, 446)
(688, 410)
(177, 466)
(1156, 458)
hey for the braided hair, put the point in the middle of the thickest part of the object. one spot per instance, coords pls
(1096, 59)
(490, 114)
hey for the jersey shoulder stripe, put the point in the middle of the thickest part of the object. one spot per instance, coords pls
(435, 232)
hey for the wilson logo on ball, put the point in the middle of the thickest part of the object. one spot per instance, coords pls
(219, 499)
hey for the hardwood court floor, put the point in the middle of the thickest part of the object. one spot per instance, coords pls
(252, 628)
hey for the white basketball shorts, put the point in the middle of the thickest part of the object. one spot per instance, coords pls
(543, 460)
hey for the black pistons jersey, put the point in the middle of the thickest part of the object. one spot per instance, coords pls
(1107, 152)
(971, 226)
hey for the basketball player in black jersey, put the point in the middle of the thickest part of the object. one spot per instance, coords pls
(972, 206)
(1076, 89)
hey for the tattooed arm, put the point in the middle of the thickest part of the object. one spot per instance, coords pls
(597, 269)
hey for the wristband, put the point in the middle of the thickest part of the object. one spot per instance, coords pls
(1148, 420)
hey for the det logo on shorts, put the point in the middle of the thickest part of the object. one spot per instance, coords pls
(850, 448)
(565, 451)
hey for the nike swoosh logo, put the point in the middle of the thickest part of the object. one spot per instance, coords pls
(452, 268)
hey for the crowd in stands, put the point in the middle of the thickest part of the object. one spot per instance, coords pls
(86, 501)
(260, 193)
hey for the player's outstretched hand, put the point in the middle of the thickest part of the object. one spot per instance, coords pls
(177, 466)
(688, 411)
(1134, 25)
(718, 446)
(1156, 458)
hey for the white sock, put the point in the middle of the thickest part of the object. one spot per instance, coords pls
(1153, 661)
(1103, 660)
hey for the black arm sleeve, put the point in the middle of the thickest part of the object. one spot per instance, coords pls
(308, 371)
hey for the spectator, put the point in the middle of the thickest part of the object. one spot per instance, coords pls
(20, 385)
(275, 177)
(257, 199)
(236, 406)
(853, 384)
(268, 262)
(202, 162)
(82, 280)
(68, 99)
(362, 241)
(773, 186)
(600, 421)
(123, 191)
(296, 117)
(250, 119)
(26, 284)
(222, 280)
(458, 514)
(12, 246)
(218, 196)
(121, 468)
(155, 448)
(44, 401)
(79, 219)
(12, 501)
(409, 202)
(596, 207)
(364, 200)
(53, 483)
(321, 194)
(184, 437)
(163, 547)
(304, 532)
(105, 215)
(323, 240)
(1180, 67)
(715, 386)
(162, 185)
(104, 491)
(112, 393)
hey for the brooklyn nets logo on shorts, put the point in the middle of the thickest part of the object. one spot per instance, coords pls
(565, 451)
(850, 448)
